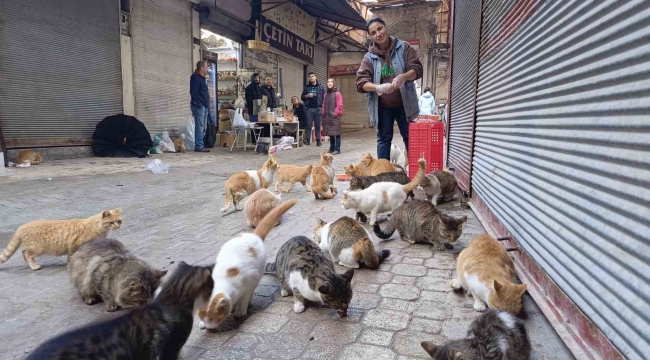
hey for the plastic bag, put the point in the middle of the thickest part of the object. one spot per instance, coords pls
(157, 146)
(239, 119)
(158, 167)
(187, 128)
(240, 103)
(167, 143)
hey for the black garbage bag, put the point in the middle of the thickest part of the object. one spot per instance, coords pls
(121, 136)
(210, 137)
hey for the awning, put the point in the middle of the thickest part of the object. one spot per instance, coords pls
(338, 11)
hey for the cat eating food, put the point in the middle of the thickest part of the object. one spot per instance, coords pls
(363, 182)
(369, 166)
(104, 270)
(492, 336)
(157, 330)
(245, 183)
(179, 144)
(381, 197)
(487, 273)
(292, 174)
(59, 237)
(259, 204)
(349, 243)
(239, 268)
(322, 178)
(439, 186)
(418, 221)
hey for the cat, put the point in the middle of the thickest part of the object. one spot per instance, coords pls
(29, 157)
(292, 174)
(245, 183)
(104, 270)
(397, 156)
(179, 144)
(239, 268)
(381, 197)
(363, 182)
(439, 185)
(492, 336)
(349, 243)
(369, 166)
(322, 178)
(59, 237)
(259, 204)
(157, 330)
(418, 221)
(487, 273)
(307, 274)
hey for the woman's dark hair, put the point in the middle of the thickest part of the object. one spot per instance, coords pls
(427, 89)
(374, 20)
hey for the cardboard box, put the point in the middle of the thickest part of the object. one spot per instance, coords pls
(266, 117)
(226, 139)
(288, 115)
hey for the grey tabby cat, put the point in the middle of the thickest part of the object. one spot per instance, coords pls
(104, 270)
(492, 336)
(155, 331)
(419, 221)
(305, 272)
(439, 186)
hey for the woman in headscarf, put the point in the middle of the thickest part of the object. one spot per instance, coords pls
(332, 114)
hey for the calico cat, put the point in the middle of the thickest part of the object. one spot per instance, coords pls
(492, 336)
(239, 268)
(322, 178)
(59, 237)
(292, 174)
(418, 221)
(363, 182)
(104, 270)
(179, 144)
(487, 273)
(259, 204)
(307, 274)
(369, 166)
(439, 186)
(29, 157)
(381, 197)
(349, 243)
(157, 330)
(245, 183)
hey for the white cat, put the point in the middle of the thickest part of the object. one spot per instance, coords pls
(238, 269)
(381, 197)
(397, 156)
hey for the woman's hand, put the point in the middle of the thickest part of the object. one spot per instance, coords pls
(385, 89)
(399, 80)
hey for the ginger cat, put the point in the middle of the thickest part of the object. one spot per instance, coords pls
(60, 237)
(487, 273)
(245, 183)
(179, 144)
(292, 174)
(369, 166)
(322, 178)
(259, 204)
(29, 157)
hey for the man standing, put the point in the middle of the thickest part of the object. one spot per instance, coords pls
(253, 94)
(312, 96)
(269, 92)
(200, 104)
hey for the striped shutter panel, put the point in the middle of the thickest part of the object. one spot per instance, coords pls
(321, 63)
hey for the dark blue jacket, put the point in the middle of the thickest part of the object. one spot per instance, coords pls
(315, 102)
(199, 91)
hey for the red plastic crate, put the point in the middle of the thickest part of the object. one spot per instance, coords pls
(426, 140)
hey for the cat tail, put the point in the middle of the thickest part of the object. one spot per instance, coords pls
(270, 268)
(328, 194)
(417, 179)
(229, 200)
(387, 232)
(372, 258)
(272, 218)
(13, 245)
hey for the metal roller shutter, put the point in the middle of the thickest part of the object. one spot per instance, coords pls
(162, 62)
(467, 26)
(293, 74)
(562, 150)
(321, 63)
(355, 104)
(60, 70)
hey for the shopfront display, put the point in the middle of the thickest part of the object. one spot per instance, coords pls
(224, 81)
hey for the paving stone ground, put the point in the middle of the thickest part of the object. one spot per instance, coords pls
(174, 217)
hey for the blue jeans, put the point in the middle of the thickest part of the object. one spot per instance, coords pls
(314, 117)
(200, 123)
(335, 143)
(385, 123)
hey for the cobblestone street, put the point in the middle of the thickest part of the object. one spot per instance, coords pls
(175, 217)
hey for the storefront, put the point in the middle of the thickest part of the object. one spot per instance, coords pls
(343, 68)
(224, 60)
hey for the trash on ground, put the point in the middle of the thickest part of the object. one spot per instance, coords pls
(158, 167)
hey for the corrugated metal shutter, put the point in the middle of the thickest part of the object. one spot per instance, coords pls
(321, 63)
(467, 23)
(562, 150)
(60, 70)
(162, 62)
(293, 74)
(355, 105)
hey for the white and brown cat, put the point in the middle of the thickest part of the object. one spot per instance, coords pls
(245, 183)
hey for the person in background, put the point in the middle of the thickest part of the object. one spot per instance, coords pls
(332, 114)
(427, 103)
(387, 73)
(312, 95)
(253, 94)
(200, 103)
(269, 92)
(299, 111)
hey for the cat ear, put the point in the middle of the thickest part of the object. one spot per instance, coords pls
(521, 288)
(455, 355)
(429, 347)
(325, 289)
(321, 222)
(182, 264)
(106, 214)
(160, 273)
(462, 219)
(347, 277)
(497, 286)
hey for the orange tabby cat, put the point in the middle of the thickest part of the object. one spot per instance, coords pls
(322, 178)
(259, 204)
(292, 174)
(245, 183)
(369, 166)
(29, 157)
(60, 237)
(179, 144)
(487, 273)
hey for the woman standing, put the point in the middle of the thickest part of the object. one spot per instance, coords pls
(427, 103)
(387, 73)
(332, 113)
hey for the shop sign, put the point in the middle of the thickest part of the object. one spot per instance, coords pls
(286, 41)
(344, 69)
(415, 44)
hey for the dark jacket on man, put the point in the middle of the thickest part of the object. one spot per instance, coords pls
(269, 92)
(199, 90)
(315, 102)
(253, 92)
